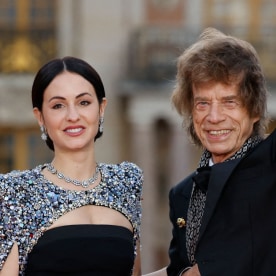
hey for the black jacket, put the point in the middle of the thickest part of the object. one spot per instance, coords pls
(238, 230)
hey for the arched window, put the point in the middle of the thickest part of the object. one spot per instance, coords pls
(28, 34)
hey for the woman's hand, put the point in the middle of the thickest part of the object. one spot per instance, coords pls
(161, 272)
(193, 271)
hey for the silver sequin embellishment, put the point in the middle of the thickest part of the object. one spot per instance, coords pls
(29, 204)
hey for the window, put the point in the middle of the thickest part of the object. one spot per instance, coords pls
(27, 30)
(22, 149)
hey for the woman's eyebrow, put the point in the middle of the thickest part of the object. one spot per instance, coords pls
(62, 98)
(83, 94)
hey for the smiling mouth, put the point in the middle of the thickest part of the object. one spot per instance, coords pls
(219, 132)
(74, 130)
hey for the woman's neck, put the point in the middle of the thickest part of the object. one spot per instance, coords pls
(77, 166)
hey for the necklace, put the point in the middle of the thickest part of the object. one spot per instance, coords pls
(84, 183)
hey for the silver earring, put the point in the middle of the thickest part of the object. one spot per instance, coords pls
(101, 124)
(43, 133)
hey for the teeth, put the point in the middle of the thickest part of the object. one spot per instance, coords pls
(74, 130)
(219, 132)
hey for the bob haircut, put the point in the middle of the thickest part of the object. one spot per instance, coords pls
(55, 67)
(219, 58)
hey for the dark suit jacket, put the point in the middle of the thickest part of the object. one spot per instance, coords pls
(238, 231)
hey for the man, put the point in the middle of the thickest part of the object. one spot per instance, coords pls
(223, 215)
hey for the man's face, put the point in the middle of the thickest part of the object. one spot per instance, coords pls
(220, 120)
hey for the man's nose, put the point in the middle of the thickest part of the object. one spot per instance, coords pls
(215, 112)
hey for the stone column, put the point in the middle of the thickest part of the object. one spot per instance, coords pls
(143, 155)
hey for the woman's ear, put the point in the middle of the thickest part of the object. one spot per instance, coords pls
(103, 106)
(38, 115)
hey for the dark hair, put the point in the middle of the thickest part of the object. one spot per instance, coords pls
(217, 57)
(55, 67)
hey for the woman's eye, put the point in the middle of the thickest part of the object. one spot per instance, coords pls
(57, 106)
(84, 102)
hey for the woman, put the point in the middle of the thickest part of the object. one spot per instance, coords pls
(72, 216)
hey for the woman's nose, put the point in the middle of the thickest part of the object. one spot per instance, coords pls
(72, 113)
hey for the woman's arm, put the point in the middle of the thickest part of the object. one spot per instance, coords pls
(11, 267)
(137, 262)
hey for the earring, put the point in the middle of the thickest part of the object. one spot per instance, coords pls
(43, 133)
(101, 124)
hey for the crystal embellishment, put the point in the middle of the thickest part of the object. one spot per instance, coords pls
(30, 204)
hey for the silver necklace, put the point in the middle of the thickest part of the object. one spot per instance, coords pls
(84, 183)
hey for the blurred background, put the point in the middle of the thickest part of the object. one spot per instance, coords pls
(134, 45)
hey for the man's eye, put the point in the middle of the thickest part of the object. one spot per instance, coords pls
(230, 103)
(201, 104)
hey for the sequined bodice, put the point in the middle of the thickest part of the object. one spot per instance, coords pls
(29, 203)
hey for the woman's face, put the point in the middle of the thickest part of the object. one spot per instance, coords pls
(70, 112)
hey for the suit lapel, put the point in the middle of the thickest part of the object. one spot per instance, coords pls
(219, 176)
(185, 196)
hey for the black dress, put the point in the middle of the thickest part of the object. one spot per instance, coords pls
(83, 250)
